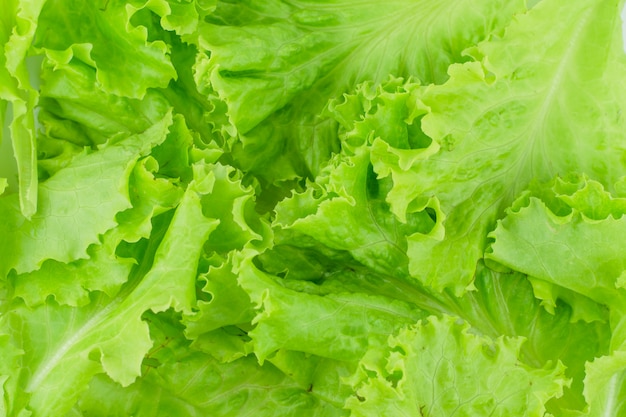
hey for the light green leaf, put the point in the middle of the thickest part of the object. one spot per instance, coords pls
(75, 109)
(76, 205)
(500, 304)
(338, 325)
(503, 304)
(573, 251)
(8, 384)
(386, 118)
(173, 156)
(276, 64)
(107, 334)
(103, 270)
(225, 344)
(105, 36)
(232, 202)
(324, 378)
(439, 368)
(70, 284)
(605, 387)
(204, 111)
(17, 29)
(179, 16)
(150, 195)
(335, 43)
(546, 98)
(228, 303)
(345, 209)
(198, 385)
(192, 383)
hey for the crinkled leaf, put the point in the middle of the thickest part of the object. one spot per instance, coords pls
(103, 270)
(504, 304)
(605, 385)
(546, 98)
(193, 383)
(76, 205)
(75, 109)
(338, 326)
(346, 210)
(276, 64)
(500, 304)
(70, 283)
(101, 35)
(18, 24)
(439, 368)
(573, 251)
(228, 303)
(107, 334)
(233, 203)
(386, 117)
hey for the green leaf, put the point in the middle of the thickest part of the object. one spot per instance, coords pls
(103, 35)
(504, 304)
(70, 284)
(178, 16)
(546, 98)
(312, 208)
(8, 385)
(18, 24)
(198, 385)
(439, 368)
(605, 385)
(193, 383)
(191, 96)
(103, 270)
(228, 305)
(324, 378)
(150, 195)
(339, 325)
(573, 251)
(276, 64)
(76, 205)
(107, 334)
(232, 202)
(75, 108)
(386, 117)
(345, 209)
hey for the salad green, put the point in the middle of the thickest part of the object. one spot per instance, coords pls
(312, 208)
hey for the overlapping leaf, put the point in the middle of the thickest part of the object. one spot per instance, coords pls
(586, 238)
(18, 24)
(300, 54)
(103, 35)
(193, 383)
(107, 334)
(545, 99)
(439, 368)
(284, 208)
(76, 205)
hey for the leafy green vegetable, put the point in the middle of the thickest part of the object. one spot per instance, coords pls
(437, 368)
(312, 208)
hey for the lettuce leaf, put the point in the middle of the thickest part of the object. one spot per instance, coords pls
(89, 192)
(19, 23)
(312, 208)
(520, 113)
(87, 340)
(298, 54)
(438, 368)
